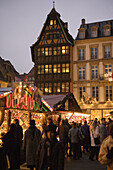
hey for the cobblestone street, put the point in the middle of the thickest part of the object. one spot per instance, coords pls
(83, 164)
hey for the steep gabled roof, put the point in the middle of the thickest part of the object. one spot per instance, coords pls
(57, 102)
(51, 15)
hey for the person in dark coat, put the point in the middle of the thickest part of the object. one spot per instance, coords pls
(30, 144)
(86, 143)
(9, 145)
(63, 134)
(103, 130)
(74, 134)
(50, 153)
(18, 138)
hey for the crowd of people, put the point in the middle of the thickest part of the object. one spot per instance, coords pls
(47, 149)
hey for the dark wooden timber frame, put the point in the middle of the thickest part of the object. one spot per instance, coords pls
(53, 49)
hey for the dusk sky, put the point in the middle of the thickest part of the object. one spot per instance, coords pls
(21, 22)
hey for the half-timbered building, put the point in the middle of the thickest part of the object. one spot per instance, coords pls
(52, 56)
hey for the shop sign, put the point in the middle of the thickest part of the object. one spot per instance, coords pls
(26, 102)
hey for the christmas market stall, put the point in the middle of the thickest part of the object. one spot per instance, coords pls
(67, 107)
(23, 103)
(26, 103)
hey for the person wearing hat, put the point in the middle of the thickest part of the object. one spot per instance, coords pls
(18, 139)
(30, 144)
(50, 153)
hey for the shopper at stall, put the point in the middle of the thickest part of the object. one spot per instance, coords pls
(50, 153)
(106, 150)
(103, 130)
(30, 144)
(18, 138)
(9, 146)
(44, 128)
(74, 137)
(63, 134)
(108, 124)
(94, 133)
(83, 138)
(86, 143)
(69, 141)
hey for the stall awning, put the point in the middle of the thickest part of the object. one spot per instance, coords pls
(5, 91)
(62, 102)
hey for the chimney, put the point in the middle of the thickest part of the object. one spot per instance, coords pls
(83, 21)
(66, 25)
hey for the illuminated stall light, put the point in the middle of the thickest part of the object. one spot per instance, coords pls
(81, 114)
(46, 104)
(5, 94)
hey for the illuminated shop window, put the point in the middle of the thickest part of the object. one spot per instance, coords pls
(94, 72)
(95, 92)
(50, 50)
(56, 87)
(42, 69)
(65, 68)
(65, 87)
(108, 93)
(65, 49)
(46, 51)
(56, 50)
(48, 69)
(56, 68)
(42, 51)
(48, 87)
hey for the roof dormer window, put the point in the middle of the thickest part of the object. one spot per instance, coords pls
(106, 30)
(82, 33)
(94, 30)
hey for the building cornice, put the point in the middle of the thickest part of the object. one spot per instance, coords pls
(94, 40)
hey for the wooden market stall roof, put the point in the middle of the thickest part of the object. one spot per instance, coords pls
(62, 102)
